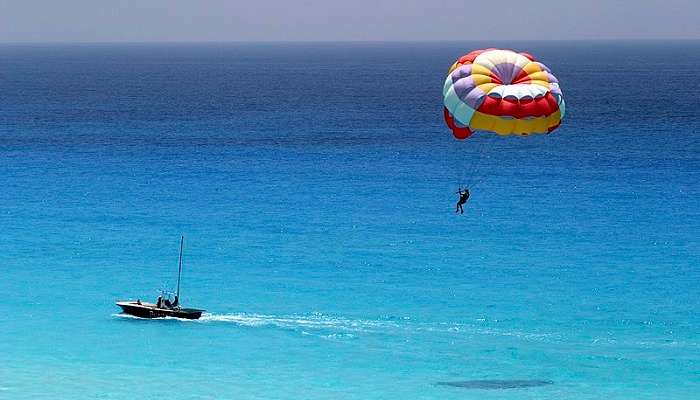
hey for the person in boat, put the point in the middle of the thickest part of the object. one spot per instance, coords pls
(463, 197)
(159, 302)
(176, 302)
(167, 303)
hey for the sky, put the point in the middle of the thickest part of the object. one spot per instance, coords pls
(348, 20)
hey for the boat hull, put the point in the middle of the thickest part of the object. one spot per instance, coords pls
(146, 310)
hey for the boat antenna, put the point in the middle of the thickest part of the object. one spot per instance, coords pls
(179, 269)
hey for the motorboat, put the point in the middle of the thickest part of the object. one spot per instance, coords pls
(142, 309)
(163, 307)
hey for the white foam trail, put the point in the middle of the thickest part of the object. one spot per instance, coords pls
(303, 322)
(126, 316)
(335, 328)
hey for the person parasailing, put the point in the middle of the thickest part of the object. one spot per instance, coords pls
(499, 92)
(463, 197)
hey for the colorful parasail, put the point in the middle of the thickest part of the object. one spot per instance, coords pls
(501, 91)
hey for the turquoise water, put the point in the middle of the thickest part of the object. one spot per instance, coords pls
(315, 187)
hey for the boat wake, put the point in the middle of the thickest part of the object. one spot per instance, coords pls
(306, 323)
(497, 384)
(337, 327)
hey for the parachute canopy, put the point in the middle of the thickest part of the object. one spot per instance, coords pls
(501, 91)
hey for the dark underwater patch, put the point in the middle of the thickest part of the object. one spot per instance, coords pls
(496, 383)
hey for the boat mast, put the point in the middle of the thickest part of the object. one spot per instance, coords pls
(179, 269)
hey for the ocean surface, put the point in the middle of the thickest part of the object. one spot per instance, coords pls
(315, 186)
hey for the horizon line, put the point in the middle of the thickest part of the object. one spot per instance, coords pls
(371, 41)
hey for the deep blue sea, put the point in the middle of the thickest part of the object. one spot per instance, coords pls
(315, 186)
